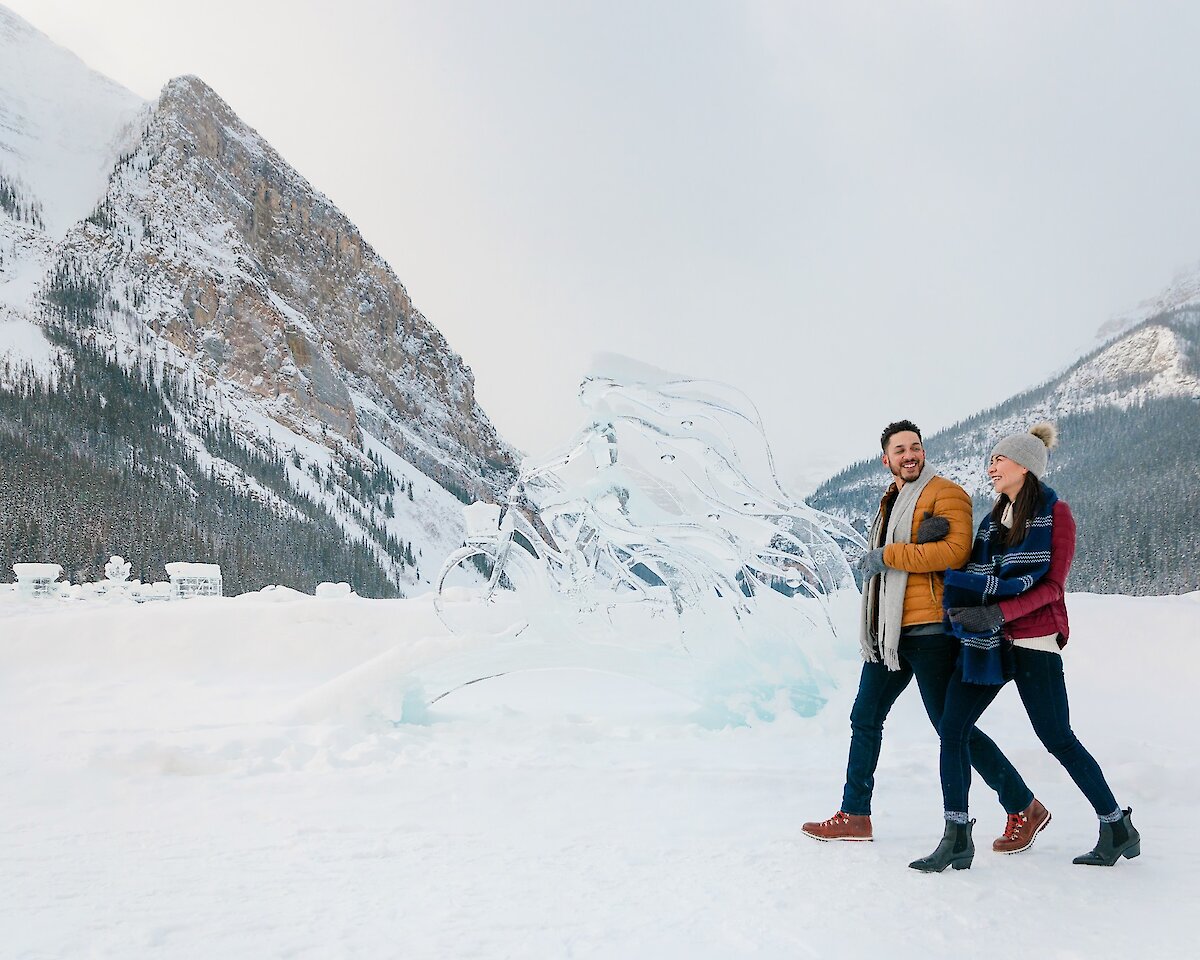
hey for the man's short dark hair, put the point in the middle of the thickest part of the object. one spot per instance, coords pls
(898, 427)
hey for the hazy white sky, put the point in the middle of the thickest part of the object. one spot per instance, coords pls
(853, 211)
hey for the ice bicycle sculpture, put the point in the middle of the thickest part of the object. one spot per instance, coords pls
(658, 543)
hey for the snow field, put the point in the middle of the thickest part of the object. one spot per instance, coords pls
(219, 778)
(62, 125)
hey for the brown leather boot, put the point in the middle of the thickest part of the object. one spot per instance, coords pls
(1022, 828)
(841, 826)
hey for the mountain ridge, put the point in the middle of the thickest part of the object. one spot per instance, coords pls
(1134, 398)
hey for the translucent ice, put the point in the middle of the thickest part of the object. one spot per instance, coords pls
(658, 542)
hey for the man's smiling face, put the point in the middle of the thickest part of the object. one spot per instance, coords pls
(905, 456)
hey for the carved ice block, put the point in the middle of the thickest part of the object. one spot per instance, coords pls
(37, 580)
(483, 522)
(195, 580)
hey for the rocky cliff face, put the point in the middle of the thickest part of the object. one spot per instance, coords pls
(208, 236)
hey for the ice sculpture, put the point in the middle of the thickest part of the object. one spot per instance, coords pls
(657, 542)
(117, 570)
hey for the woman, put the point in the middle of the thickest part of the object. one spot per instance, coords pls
(1007, 609)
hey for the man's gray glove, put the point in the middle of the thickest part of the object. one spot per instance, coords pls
(987, 619)
(871, 564)
(932, 528)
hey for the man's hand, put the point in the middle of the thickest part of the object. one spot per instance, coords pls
(932, 528)
(871, 564)
(987, 619)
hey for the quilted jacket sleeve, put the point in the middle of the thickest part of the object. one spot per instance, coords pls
(948, 500)
(1053, 585)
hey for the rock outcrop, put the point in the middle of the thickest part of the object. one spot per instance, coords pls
(237, 261)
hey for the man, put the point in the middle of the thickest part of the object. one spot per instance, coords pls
(923, 528)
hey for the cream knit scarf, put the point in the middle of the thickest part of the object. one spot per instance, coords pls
(885, 592)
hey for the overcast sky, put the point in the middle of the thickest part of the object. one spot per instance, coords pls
(853, 211)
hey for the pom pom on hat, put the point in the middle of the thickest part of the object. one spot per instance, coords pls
(1046, 432)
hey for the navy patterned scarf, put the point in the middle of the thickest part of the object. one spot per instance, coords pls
(995, 573)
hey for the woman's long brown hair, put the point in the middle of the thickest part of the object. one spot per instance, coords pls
(1025, 508)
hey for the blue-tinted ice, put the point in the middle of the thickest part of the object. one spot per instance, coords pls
(657, 542)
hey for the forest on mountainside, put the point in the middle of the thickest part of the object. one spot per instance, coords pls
(93, 463)
(1131, 476)
(1126, 461)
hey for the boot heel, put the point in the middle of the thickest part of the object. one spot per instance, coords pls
(1133, 851)
(966, 864)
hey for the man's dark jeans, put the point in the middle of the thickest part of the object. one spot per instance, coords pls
(931, 660)
(1044, 692)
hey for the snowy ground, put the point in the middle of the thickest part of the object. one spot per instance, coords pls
(194, 780)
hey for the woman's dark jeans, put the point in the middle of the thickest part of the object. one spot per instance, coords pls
(931, 660)
(1044, 692)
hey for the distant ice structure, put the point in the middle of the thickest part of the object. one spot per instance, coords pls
(195, 580)
(41, 581)
(657, 542)
(117, 570)
(37, 580)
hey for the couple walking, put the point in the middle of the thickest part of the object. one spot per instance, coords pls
(963, 619)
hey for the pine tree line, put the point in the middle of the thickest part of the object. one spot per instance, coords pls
(96, 466)
(16, 206)
(1126, 472)
(1133, 482)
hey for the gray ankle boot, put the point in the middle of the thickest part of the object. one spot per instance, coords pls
(1117, 840)
(956, 850)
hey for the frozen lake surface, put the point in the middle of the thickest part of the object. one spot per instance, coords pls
(219, 778)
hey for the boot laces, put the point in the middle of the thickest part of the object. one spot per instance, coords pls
(837, 820)
(1015, 822)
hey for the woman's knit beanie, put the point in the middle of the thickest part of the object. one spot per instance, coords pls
(1029, 449)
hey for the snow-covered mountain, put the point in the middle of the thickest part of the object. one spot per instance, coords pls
(62, 126)
(1183, 291)
(170, 242)
(1129, 420)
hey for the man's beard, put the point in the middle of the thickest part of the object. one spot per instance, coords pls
(897, 472)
